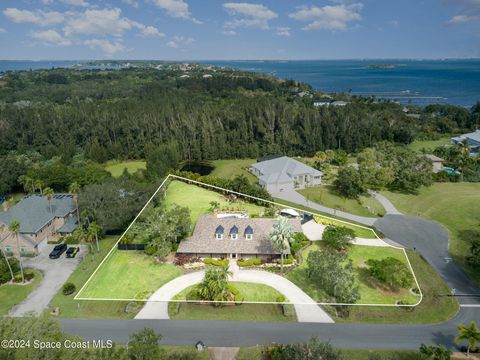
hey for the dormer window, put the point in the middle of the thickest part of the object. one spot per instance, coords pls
(234, 233)
(219, 231)
(249, 233)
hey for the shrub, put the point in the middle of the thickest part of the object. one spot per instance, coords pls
(233, 289)
(182, 259)
(193, 295)
(70, 240)
(150, 250)
(281, 299)
(249, 262)
(338, 237)
(286, 261)
(29, 275)
(300, 237)
(390, 271)
(17, 278)
(68, 288)
(239, 298)
(60, 240)
(215, 262)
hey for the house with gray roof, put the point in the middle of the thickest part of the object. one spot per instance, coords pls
(284, 173)
(233, 238)
(40, 221)
(472, 139)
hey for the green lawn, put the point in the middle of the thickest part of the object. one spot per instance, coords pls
(71, 308)
(428, 145)
(362, 354)
(229, 169)
(13, 294)
(116, 168)
(370, 294)
(324, 195)
(362, 232)
(455, 206)
(198, 199)
(244, 312)
(125, 274)
(434, 308)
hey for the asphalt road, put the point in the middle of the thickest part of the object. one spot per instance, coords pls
(431, 240)
(238, 333)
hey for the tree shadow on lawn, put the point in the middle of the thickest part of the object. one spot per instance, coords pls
(366, 279)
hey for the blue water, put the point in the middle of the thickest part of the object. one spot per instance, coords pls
(420, 81)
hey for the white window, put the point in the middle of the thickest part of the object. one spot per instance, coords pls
(219, 236)
(249, 236)
(234, 236)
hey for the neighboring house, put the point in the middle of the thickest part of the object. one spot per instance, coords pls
(472, 139)
(322, 102)
(339, 103)
(38, 223)
(283, 173)
(437, 163)
(234, 238)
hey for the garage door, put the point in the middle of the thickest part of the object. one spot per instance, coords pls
(42, 245)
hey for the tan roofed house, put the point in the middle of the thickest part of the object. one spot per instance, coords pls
(234, 238)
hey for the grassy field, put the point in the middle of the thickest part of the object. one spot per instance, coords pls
(370, 292)
(125, 274)
(198, 199)
(324, 195)
(433, 309)
(13, 294)
(361, 354)
(229, 169)
(244, 312)
(71, 308)
(454, 206)
(428, 145)
(116, 168)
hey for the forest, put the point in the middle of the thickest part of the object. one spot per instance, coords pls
(120, 114)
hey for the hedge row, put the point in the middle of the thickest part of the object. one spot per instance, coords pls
(215, 262)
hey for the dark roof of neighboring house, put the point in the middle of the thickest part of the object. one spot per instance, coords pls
(203, 240)
(69, 226)
(33, 211)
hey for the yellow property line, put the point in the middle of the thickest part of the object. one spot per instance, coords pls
(77, 297)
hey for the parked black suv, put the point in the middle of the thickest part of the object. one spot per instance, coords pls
(57, 251)
(72, 251)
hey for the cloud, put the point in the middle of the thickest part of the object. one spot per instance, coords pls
(283, 31)
(51, 37)
(249, 15)
(176, 9)
(108, 47)
(152, 31)
(133, 3)
(229, 32)
(100, 22)
(82, 3)
(2, 30)
(329, 17)
(38, 17)
(460, 19)
(180, 41)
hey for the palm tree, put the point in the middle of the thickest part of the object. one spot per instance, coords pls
(214, 286)
(2, 228)
(39, 185)
(74, 188)
(435, 352)
(14, 228)
(48, 193)
(470, 333)
(95, 229)
(26, 182)
(281, 236)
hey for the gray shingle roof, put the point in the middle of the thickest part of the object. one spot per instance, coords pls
(283, 169)
(474, 136)
(203, 240)
(69, 226)
(33, 211)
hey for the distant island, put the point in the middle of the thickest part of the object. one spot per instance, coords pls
(383, 66)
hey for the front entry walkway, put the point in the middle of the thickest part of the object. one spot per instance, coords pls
(306, 308)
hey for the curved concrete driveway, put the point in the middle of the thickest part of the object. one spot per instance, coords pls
(306, 308)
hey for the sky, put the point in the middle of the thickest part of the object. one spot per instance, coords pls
(224, 30)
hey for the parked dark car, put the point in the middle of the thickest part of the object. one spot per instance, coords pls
(57, 251)
(72, 251)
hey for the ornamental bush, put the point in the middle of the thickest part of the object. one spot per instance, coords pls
(68, 288)
(390, 271)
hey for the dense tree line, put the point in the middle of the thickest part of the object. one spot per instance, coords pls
(119, 114)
